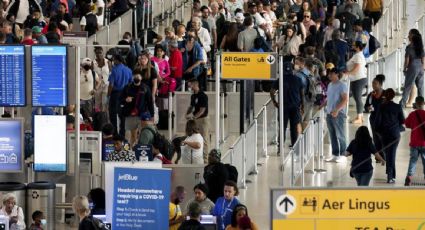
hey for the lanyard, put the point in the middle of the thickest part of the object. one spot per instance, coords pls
(225, 210)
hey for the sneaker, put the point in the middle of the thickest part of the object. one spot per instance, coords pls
(408, 181)
(341, 159)
(391, 181)
(331, 159)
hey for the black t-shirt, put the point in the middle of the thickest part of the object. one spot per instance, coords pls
(86, 224)
(292, 88)
(198, 101)
(149, 82)
(362, 162)
(191, 225)
(58, 18)
(215, 175)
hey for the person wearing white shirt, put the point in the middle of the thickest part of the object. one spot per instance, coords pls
(203, 34)
(193, 146)
(13, 211)
(259, 21)
(232, 5)
(100, 9)
(357, 74)
(88, 84)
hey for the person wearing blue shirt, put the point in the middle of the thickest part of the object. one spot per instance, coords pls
(224, 205)
(336, 115)
(120, 76)
(192, 57)
(363, 36)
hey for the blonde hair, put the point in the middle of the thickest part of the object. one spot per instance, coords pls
(80, 205)
(9, 196)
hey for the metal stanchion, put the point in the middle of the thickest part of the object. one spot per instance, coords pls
(405, 10)
(281, 129)
(170, 116)
(265, 143)
(309, 144)
(301, 156)
(255, 148)
(244, 161)
(217, 101)
(77, 124)
(320, 140)
(222, 117)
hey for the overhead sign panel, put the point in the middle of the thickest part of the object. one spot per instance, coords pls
(348, 209)
(248, 66)
(12, 76)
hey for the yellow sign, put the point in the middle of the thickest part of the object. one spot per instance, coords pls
(248, 66)
(357, 209)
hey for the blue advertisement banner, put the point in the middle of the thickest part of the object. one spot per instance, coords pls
(141, 199)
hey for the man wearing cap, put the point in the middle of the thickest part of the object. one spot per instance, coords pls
(336, 115)
(198, 110)
(258, 21)
(176, 62)
(415, 121)
(120, 76)
(88, 85)
(215, 175)
(38, 36)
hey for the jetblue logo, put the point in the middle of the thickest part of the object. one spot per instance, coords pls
(127, 177)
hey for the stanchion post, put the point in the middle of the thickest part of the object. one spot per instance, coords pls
(281, 130)
(170, 116)
(217, 100)
(222, 116)
(265, 144)
(77, 124)
(405, 10)
(256, 149)
(243, 161)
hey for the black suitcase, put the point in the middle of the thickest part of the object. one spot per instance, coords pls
(163, 120)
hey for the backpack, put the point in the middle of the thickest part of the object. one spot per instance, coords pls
(263, 43)
(332, 55)
(373, 44)
(232, 172)
(169, 86)
(314, 92)
(166, 148)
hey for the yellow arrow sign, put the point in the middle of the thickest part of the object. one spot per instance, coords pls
(248, 66)
(347, 208)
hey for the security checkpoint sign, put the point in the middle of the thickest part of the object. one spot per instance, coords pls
(356, 209)
(248, 66)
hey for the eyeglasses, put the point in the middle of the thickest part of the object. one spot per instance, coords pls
(306, 16)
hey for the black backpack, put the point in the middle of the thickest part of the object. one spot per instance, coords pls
(373, 44)
(165, 146)
(232, 172)
(97, 224)
(263, 43)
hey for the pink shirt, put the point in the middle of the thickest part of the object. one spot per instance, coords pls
(163, 66)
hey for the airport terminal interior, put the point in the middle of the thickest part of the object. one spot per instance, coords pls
(180, 114)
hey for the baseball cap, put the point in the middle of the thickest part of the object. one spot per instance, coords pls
(329, 65)
(146, 116)
(36, 29)
(86, 61)
(251, 4)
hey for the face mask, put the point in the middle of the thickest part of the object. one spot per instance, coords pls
(190, 89)
(86, 67)
(43, 221)
(297, 67)
(136, 80)
(91, 205)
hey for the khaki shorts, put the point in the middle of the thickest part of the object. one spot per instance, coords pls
(132, 123)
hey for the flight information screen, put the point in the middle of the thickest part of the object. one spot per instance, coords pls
(49, 75)
(12, 76)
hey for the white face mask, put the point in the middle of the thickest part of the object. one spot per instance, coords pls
(43, 221)
(190, 89)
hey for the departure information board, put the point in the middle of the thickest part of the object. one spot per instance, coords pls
(49, 75)
(12, 76)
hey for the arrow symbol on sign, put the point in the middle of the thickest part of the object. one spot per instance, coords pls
(270, 59)
(286, 201)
